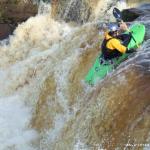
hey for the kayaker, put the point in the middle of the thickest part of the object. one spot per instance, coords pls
(114, 43)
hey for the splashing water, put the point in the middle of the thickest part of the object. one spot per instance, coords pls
(44, 102)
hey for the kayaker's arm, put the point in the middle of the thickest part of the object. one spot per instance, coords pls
(124, 28)
(121, 48)
(115, 44)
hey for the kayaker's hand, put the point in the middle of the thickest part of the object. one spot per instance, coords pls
(123, 26)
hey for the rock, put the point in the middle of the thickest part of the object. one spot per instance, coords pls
(13, 12)
(133, 13)
(6, 30)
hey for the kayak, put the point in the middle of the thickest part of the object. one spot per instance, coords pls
(102, 67)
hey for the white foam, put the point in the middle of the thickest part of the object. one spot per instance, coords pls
(14, 124)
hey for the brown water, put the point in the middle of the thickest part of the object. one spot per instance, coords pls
(45, 103)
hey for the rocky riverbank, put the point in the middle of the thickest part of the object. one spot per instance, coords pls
(13, 12)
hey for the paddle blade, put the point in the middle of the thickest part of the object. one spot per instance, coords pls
(117, 14)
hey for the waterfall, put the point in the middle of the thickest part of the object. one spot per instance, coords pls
(45, 103)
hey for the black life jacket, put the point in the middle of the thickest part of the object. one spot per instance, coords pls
(109, 53)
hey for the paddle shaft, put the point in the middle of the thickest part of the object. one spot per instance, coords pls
(133, 37)
(117, 14)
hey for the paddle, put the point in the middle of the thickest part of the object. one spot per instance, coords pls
(118, 15)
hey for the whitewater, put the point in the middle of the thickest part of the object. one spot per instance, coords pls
(45, 103)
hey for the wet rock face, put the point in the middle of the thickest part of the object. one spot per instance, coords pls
(134, 13)
(6, 30)
(13, 12)
(130, 14)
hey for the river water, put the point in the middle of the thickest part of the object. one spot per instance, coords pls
(45, 103)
